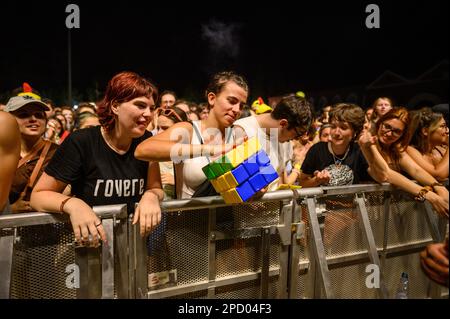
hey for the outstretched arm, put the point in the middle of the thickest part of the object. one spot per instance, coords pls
(438, 171)
(174, 145)
(9, 154)
(421, 175)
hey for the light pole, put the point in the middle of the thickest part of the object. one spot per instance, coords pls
(69, 67)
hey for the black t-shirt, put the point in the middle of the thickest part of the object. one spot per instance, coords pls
(98, 175)
(352, 170)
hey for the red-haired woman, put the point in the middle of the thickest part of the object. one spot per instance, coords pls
(100, 165)
(387, 158)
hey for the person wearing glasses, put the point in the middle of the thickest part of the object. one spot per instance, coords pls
(192, 145)
(387, 157)
(35, 152)
(99, 164)
(338, 162)
(290, 119)
(429, 143)
(9, 157)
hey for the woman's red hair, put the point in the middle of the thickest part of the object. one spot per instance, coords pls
(123, 87)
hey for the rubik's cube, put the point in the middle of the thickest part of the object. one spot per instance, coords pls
(241, 172)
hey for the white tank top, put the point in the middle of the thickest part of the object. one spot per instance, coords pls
(193, 175)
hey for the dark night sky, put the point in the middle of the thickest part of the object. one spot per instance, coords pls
(279, 47)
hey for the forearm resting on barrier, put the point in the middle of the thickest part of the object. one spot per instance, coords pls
(439, 204)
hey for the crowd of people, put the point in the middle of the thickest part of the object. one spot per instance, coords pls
(139, 146)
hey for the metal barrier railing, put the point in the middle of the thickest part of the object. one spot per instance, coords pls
(309, 243)
(90, 269)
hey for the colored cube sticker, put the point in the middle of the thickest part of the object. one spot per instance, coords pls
(241, 173)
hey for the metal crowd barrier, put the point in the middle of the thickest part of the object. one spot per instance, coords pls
(39, 257)
(310, 243)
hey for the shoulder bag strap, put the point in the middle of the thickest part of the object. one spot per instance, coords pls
(39, 164)
(34, 151)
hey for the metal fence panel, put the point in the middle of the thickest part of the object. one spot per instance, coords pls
(239, 251)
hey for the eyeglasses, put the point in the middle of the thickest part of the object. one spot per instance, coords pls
(395, 131)
(170, 112)
(37, 114)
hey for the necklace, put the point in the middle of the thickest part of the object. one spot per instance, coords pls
(338, 161)
(110, 144)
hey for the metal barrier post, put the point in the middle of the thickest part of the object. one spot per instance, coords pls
(140, 263)
(265, 261)
(88, 261)
(108, 260)
(387, 213)
(433, 222)
(366, 229)
(287, 275)
(212, 253)
(318, 248)
(122, 263)
(131, 258)
(6, 260)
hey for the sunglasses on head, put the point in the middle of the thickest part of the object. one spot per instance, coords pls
(169, 113)
(40, 115)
